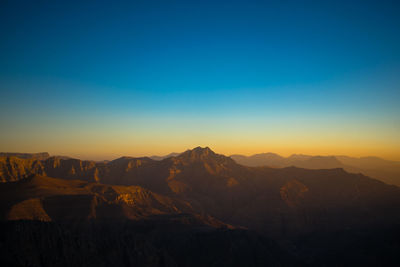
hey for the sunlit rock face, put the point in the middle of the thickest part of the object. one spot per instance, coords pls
(14, 169)
(30, 209)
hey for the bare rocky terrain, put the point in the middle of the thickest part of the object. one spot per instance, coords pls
(200, 202)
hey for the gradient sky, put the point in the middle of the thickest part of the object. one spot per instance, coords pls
(102, 79)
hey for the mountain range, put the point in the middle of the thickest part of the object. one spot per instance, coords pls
(381, 169)
(205, 190)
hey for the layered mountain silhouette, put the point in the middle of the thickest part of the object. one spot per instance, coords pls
(384, 170)
(173, 154)
(202, 190)
(275, 200)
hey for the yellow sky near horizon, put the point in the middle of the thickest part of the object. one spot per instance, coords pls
(109, 152)
(112, 137)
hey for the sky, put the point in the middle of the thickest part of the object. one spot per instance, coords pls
(102, 79)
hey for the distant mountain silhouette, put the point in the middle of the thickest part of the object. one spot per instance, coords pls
(273, 160)
(164, 157)
(384, 170)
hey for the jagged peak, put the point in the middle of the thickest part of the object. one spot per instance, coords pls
(203, 154)
(198, 152)
(205, 150)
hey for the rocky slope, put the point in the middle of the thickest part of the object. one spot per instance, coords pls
(51, 199)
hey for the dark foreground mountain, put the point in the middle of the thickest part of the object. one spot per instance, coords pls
(58, 222)
(155, 242)
(308, 212)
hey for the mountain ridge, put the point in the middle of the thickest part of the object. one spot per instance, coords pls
(378, 168)
(243, 196)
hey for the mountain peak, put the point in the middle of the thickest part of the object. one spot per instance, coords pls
(199, 153)
(205, 157)
(206, 150)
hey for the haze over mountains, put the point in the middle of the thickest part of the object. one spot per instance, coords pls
(384, 170)
(204, 190)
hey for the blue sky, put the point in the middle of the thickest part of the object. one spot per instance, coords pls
(148, 77)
